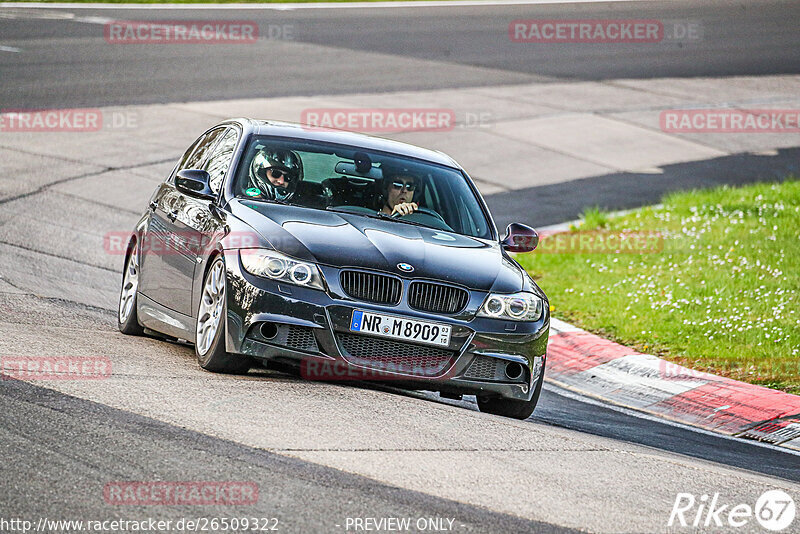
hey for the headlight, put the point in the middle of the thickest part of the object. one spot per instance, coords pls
(514, 307)
(274, 265)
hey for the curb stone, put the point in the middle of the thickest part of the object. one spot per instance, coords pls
(590, 365)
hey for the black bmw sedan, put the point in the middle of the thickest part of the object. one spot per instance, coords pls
(348, 256)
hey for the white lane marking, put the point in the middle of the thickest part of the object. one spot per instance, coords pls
(93, 20)
(9, 49)
(22, 14)
(641, 415)
(310, 5)
(39, 15)
(35, 14)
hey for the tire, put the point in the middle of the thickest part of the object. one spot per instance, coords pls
(127, 317)
(513, 408)
(209, 346)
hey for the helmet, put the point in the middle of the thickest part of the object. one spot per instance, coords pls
(284, 160)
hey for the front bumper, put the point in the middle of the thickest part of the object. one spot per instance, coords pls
(311, 327)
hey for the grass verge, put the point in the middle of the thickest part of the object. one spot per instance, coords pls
(721, 296)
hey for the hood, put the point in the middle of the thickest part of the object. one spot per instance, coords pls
(346, 240)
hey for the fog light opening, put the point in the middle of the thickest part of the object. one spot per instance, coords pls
(513, 370)
(270, 330)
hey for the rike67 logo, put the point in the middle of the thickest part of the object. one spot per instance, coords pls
(774, 510)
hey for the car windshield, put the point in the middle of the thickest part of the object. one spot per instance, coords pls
(362, 182)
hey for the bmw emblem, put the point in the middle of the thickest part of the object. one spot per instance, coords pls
(405, 267)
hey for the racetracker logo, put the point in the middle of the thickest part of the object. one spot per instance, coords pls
(730, 121)
(326, 370)
(180, 493)
(51, 120)
(673, 371)
(179, 243)
(55, 367)
(774, 510)
(66, 120)
(586, 31)
(600, 242)
(380, 120)
(181, 32)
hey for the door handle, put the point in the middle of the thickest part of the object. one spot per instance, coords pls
(172, 215)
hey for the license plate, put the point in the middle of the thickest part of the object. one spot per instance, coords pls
(393, 327)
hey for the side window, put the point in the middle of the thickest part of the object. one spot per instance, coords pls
(202, 147)
(185, 157)
(194, 155)
(220, 159)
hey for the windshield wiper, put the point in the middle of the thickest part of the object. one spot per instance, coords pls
(374, 215)
(272, 201)
(381, 215)
(339, 209)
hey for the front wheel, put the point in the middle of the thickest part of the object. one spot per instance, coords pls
(513, 408)
(127, 318)
(209, 346)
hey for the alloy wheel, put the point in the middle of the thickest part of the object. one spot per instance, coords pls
(130, 285)
(211, 305)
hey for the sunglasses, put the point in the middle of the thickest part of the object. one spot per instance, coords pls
(410, 186)
(278, 174)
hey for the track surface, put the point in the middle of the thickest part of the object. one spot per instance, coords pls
(67, 63)
(60, 473)
(159, 417)
(321, 453)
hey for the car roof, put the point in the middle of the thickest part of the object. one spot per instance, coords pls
(367, 142)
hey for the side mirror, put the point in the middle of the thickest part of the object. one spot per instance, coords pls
(520, 238)
(194, 182)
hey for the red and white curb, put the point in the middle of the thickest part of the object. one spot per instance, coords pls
(590, 365)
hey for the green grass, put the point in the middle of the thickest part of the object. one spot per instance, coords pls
(722, 295)
(594, 218)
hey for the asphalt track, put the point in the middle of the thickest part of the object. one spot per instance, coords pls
(64, 450)
(321, 453)
(64, 62)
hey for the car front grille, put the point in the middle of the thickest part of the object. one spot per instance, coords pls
(371, 287)
(437, 298)
(394, 356)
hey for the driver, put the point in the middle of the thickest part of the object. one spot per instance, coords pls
(399, 187)
(274, 174)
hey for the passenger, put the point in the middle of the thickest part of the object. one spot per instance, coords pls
(274, 174)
